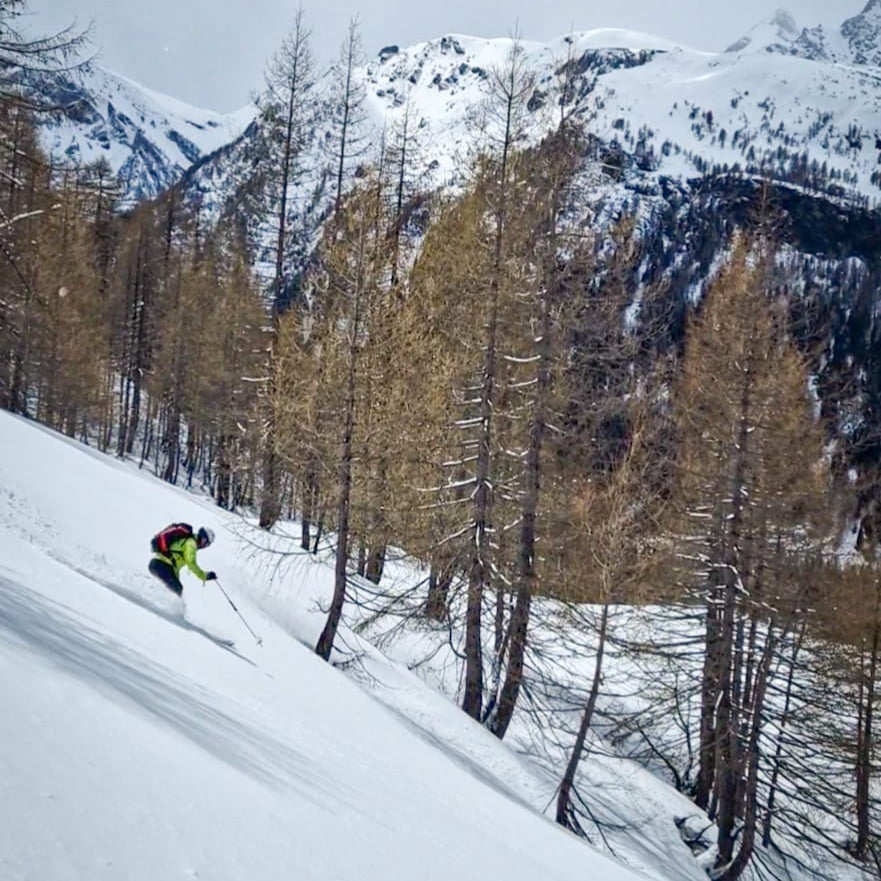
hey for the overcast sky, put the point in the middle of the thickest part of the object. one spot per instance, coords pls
(211, 53)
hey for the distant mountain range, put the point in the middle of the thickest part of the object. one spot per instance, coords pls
(680, 139)
(777, 100)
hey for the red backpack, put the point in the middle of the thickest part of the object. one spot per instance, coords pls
(163, 540)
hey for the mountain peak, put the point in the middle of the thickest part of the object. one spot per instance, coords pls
(148, 139)
(863, 34)
(780, 35)
(774, 33)
(784, 20)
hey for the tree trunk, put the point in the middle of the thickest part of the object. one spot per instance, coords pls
(865, 747)
(736, 866)
(375, 563)
(565, 814)
(526, 576)
(439, 580)
(778, 748)
(709, 695)
(344, 487)
(728, 759)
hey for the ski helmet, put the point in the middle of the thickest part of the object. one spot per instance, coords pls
(205, 536)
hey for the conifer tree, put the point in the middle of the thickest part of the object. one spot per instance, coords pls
(286, 112)
(752, 479)
(504, 124)
(348, 96)
(69, 339)
(613, 550)
(533, 363)
(322, 376)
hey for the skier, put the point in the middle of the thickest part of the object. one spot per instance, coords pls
(175, 547)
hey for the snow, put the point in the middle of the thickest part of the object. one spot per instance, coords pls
(136, 747)
(695, 102)
(122, 119)
(779, 29)
(781, 98)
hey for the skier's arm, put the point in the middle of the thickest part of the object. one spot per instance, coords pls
(190, 559)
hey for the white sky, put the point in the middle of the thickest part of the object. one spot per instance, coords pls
(212, 54)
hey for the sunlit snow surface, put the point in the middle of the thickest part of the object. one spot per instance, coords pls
(134, 747)
(769, 100)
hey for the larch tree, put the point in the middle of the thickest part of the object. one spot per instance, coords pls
(25, 191)
(403, 165)
(613, 552)
(322, 378)
(348, 94)
(504, 122)
(140, 281)
(71, 357)
(287, 115)
(846, 659)
(440, 334)
(533, 361)
(26, 198)
(751, 478)
(386, 417)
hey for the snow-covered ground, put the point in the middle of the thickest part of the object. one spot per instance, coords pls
(133, 746)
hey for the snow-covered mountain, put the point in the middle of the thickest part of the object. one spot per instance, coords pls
(148, 139)
(857, 41)
(776, 33)
(709, 109)
(784, 101)
(780, 34)
(676, 109)
(659, 115)
(680, 139)
(863, 34)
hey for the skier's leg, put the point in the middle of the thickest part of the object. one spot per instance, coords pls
(165, 573)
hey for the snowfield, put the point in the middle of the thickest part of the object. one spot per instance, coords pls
(135, 747)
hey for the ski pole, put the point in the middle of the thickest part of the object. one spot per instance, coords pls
(258, 638)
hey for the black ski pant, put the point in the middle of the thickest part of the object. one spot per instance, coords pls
(165, 573)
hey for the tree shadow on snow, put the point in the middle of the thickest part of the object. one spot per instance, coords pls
(28, 619)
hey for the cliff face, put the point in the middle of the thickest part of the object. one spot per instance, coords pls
(863, 35)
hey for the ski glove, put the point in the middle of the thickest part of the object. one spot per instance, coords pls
(211, 576)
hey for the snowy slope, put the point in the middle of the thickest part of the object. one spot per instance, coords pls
(135, 747)
(148, 139)
(780, 99)
(636, 88)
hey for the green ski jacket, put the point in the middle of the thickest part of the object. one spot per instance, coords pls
(183, 553)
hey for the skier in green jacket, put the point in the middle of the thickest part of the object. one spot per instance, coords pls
(182, 552)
